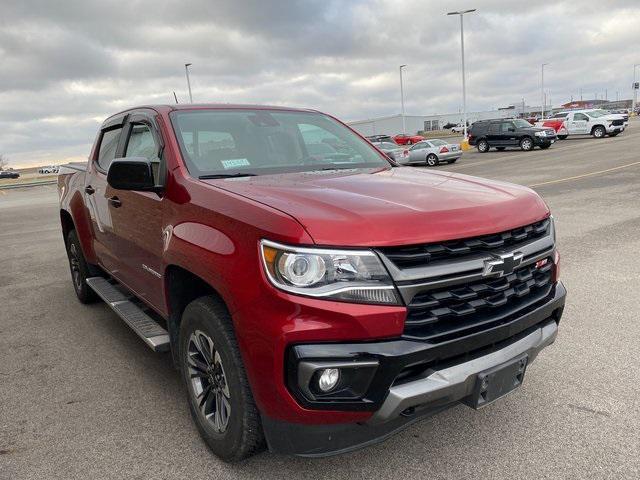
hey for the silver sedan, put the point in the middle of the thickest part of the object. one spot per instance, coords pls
(433, 152)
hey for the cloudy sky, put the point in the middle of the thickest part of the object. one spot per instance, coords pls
(65, 66)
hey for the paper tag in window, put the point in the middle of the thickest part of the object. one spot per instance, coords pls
(235, 163)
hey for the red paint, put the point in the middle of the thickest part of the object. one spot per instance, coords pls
(212, 228)
(401, 139)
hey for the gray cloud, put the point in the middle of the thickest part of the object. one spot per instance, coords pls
(66, 65)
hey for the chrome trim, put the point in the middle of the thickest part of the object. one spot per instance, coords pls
(457, 382)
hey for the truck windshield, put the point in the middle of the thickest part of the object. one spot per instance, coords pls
(221, 143)
(520, 123)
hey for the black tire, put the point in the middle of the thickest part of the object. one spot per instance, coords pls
(242, 435)
(544, 147)
(614, 134)
(562, 137)
(483, 146)
(432, 160)
(500, 149)
(526, 144)
(80, 269)
(598, 131)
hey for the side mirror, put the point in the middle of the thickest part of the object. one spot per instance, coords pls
(131, 173)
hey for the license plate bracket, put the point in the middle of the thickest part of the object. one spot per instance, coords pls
(498, 381)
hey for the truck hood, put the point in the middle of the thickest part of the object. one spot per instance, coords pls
(393, 206)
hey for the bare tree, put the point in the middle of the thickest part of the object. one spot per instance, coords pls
(4, 161)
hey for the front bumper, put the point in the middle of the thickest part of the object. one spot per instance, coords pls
(396, 401)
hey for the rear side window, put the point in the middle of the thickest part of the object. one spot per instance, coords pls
(108, 147)
(494, 128)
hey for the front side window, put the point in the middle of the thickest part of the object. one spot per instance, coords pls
(108, 147)
(505, 126)
(259, 142)
(520, 123)
(141, 143)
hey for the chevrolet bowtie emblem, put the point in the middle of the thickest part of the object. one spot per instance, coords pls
(503, 264)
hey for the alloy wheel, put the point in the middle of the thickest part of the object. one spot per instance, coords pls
(208, 381)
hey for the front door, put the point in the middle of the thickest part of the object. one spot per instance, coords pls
(137, 216)
(508, 137)
(578, 124)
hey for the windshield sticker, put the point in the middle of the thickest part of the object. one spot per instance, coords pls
(235, 163)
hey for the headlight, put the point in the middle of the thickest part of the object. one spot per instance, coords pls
(348, 275)
(540, 134)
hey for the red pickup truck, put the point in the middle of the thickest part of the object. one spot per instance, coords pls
(313, 302)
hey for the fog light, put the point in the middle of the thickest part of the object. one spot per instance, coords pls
(328, 379)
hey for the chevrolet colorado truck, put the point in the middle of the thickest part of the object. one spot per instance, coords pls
(312, 304)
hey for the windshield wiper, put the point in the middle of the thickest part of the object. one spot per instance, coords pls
(225, 175)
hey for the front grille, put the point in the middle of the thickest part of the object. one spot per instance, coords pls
(618, 123)
(441, 314)
(422, 255)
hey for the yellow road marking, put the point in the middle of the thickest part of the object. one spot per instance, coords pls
(591, 174)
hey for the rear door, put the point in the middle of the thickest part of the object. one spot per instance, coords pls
(97, 192)
(493, 134)
(137, 216)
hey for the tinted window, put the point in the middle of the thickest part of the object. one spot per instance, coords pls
(494, 128)
(108, 147)
(263, 142)
(505, 126)
(141, 143)
(580, 116)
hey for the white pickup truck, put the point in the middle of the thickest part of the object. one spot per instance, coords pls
(598, 123)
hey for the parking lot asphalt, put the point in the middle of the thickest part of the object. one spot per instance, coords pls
(82, 397)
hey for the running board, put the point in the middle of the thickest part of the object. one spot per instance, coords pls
(156, 337)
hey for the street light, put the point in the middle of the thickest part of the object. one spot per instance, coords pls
(186, 71)
(464, 85)
(635, 90)
(542, 90)
(404, 126)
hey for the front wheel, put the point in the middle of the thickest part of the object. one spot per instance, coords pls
(80, 269)
(526, 144)
(483, 146)
(218, 391)
(432, 160)
(599, 132)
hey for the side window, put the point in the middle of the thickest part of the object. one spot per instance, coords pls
(505, 126)
(108, 147)
(580, 116)
(141, 143)
(494, 128)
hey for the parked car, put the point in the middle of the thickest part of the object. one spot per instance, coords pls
(434, 152)
(595, 122)
(500, 134)
(380, 138)
(49, 169)
(393, 151)
(623, 112)
(402, 139)
(317, 306)
(458, 128)
(9, 174)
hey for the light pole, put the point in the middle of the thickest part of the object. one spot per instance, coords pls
(635, 90)
(186, 71)
(542, 88)
(464, 84)
(404, 126)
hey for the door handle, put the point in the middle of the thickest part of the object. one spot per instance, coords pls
(115, 202)
(89, 190)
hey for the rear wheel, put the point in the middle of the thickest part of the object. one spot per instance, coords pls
(80, 269)
(218, 391)
(483, 146)
(598, 132)
(432, 160)
(526, 144)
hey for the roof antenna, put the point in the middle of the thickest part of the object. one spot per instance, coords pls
(175, 96)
